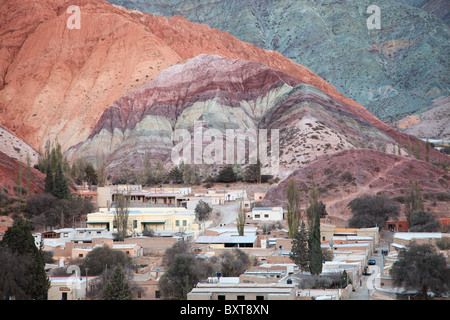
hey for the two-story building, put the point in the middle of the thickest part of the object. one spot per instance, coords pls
(149, 218)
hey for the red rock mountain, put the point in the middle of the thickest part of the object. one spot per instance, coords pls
(229, 93)
(9, 175)
(55, 82)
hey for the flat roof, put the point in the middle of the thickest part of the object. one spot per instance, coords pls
(418, 235)
(226, 239)
(149, 194)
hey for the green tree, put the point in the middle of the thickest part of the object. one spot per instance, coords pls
(293, 207)
(371, 211)
(413, 201)
(253, 172)
(55, 166)
(91, 175)
(101, 258)
(417, 150)
(233, 263)
(20, 241)
(60, 188)
(423, 221)
(175, 175)
(191, 174)
(13, 275)
(117, 287)
(202, 211)
(315, 206)
(226, 175)
(181, 276)
(121, 214)
(240, 221)
(49, 180)
(315, 250)
(28, 174)
(419, 267)
(300, 253)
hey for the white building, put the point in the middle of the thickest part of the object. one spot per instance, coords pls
(72, 287)
(59, 237)
(267, 213)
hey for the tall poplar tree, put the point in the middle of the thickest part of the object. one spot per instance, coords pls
(315, 251)
(413, 201)
(293, 207)
(240, 221)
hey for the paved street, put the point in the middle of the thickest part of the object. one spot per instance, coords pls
(368, 290)
(228, 211)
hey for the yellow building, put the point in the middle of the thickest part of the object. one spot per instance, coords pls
(152, 218)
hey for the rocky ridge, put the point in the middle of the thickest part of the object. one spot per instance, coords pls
(394, 72)
(56, 82)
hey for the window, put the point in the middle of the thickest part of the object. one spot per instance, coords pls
(221, 297)
(157, 294)
(177, 223)
(135, 224)
(266, 215)
(240, 297)
(184, 223)
(259, 297)
(80, 255)
(257, 216)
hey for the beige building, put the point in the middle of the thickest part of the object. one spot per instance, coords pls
(328, 232)
(232, 289)
(152, 218)
(69, 288)
(403, 239)
(138, 196)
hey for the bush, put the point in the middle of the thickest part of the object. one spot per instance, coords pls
(226, 175)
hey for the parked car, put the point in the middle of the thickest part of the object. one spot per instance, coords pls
(372, 261)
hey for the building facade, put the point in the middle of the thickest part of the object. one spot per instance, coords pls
(152, 218)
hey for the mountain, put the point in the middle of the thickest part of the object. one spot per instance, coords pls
(397, 71)
(349, 174)
(226, 94)
(55, 82)
(9, 176)
(16, 148)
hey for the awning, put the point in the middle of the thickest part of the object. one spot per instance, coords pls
(154, 222)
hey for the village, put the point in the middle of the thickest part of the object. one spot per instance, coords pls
(160, 217)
